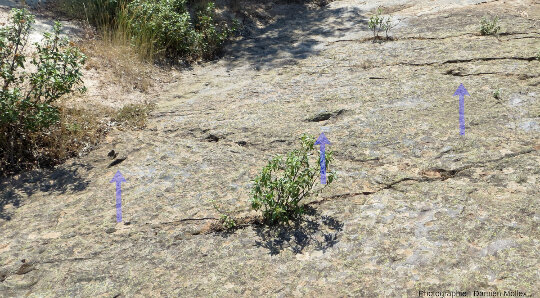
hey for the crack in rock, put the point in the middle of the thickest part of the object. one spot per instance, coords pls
(435, 38)
(455, 61)
(437, 174)
(458, 73)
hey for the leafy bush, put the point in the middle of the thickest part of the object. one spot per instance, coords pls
(166, 23)
(286, 180)
(26, 98)
(489, 27)
(168, 26)
(377, 23)
(157, 28)
(210, 38)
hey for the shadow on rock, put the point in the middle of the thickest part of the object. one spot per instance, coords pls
(289, 38)
(310, 230)
(60, 180)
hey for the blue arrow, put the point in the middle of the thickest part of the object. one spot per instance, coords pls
(118, 179)
(322, 140)
(461, 91)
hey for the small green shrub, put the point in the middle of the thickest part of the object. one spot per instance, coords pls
(375, 23)
(378, 23)
(286, 180)
(489, 26)
(226, 220)
(27, 98)
(497, 94)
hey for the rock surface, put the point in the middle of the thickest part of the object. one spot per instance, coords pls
(415, 205)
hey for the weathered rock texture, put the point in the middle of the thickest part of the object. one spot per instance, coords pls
(415, 207)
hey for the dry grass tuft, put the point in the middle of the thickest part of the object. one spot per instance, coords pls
(119, 63)
(133, 116)
(77, 132)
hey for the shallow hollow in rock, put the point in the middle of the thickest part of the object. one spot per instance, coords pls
(325, 115)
